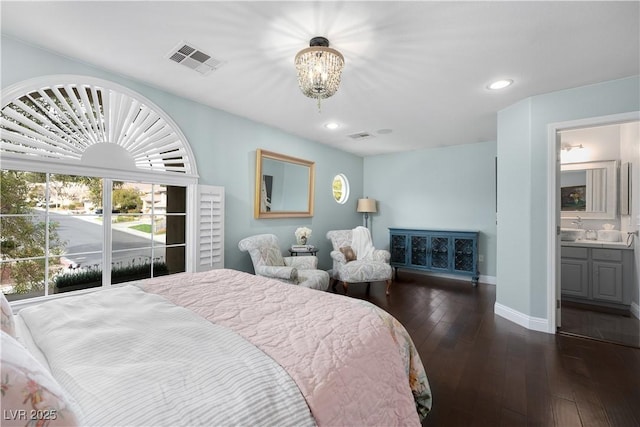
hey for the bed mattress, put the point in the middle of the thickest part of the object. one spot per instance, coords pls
(228, 348)
(128, 357)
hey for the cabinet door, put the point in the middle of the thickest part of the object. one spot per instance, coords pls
(398, 249)
(607, 281)
(464, 255)
(418, 251)
(439, 249)
(574, 277)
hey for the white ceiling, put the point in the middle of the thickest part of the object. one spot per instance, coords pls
(419, 69)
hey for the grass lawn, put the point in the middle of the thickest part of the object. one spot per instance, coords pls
(146, 228)
(142, 227)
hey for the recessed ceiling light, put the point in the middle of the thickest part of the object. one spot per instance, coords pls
(332, 125)
(500, 84)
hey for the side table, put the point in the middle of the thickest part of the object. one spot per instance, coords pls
(296, 252)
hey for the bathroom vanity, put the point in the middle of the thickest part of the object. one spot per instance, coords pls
(597, 273)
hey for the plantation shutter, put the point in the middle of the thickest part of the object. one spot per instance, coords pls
(84, 121)
(210, 228)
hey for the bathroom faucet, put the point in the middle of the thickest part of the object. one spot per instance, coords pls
(578, 222)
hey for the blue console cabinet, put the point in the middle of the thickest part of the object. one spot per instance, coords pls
(440, 251)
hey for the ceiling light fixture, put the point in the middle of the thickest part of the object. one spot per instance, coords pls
(500, 84)
(332, 125)
(319, 68)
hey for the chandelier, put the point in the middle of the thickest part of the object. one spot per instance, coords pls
(319, 68)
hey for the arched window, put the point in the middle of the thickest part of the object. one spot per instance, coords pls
(94, 187)
(89, 122)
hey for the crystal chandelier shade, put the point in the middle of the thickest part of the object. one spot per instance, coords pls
(319, 68)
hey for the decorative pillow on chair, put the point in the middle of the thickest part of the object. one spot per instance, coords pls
(348, 253)
(30, 395)
(7, 323)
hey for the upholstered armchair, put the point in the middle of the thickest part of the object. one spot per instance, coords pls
(269, 262)
(349, 268)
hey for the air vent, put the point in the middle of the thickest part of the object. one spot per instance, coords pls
(194, 58)
(360, 136)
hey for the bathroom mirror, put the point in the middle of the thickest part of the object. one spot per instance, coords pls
(284, 186)
(589, 190)
(625, 189)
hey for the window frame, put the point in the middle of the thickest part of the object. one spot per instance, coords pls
(32, 163)
(345, 188)
(107, 252)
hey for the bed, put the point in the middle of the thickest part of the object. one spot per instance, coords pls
(219, 348)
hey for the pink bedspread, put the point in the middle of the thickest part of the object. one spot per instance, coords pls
(352, 362)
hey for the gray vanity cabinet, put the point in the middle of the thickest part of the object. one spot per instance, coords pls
(597, 276)
(574, 272)
(607, 275)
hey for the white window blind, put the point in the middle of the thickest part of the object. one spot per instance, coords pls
(210, 228)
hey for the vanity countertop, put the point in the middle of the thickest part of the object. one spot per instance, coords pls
(597, 244)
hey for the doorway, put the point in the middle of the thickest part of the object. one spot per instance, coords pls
(597, 289)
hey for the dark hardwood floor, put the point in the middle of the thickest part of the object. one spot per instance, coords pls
(487, 371)
(614, 327)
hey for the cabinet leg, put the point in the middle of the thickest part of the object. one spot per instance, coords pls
(388, 286)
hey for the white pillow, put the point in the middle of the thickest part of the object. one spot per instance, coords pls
(30, 395)
(6, 317)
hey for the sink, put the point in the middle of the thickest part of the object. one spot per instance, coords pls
(609, 235)
(571, 234)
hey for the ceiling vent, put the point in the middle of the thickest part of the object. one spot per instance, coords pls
(192, 57)
(360, 136)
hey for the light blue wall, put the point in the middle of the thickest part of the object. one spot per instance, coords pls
(523, 160)
(514, 205)
(441, 188)
(224, 147)
(445, 187)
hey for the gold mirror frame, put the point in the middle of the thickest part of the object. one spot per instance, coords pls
(262, 155)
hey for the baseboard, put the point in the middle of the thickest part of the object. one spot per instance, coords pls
(487, 280)
(635, 310)
(534, 323)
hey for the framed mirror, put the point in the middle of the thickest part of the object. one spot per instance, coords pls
(589, 190)
(284, 186)
(625, 189)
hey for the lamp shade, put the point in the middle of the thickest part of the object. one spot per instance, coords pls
(366, 205)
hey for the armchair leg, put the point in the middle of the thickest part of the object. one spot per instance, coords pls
(388, 285)
(345, 286)
(368, 288)
(332, 284)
